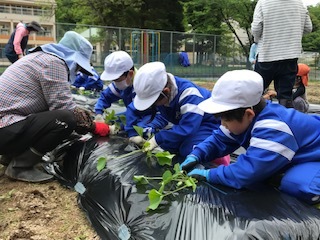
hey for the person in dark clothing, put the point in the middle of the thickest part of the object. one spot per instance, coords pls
(15, 48)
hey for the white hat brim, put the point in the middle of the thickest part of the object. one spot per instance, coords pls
(143, 104)
(108, 76)
(209, 106)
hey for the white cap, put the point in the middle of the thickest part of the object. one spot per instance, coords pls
(233, 90)
(82, 47)
(115, 64)
(148, 83)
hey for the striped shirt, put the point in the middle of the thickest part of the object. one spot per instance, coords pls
(278, 27)
(36, 83)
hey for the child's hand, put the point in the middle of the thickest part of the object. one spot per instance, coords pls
(137, 140)
(114, 129)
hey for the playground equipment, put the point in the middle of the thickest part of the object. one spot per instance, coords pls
(145, 46)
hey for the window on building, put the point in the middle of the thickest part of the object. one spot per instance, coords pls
(27, 10)
(4, 28)
(16, 9)
(38, 11)
(47, 31)
(4, 9)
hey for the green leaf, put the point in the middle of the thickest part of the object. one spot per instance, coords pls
(167, 177)
(146, 145)
(120, 102)
(190, 182)
(86, 92)
(164, 158)
(110, 117)
(139, 130)
(155, 199)
(140, 179)
(176, 168)
(122, 119)
(101, 163)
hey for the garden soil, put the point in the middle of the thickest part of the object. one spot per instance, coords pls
(50, 211)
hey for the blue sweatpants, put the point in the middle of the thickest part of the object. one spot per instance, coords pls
(303, 182)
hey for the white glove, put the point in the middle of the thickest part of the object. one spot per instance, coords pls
(137, 140)
(113, 130)
(153, 144)
(157, 149)
(98, 118)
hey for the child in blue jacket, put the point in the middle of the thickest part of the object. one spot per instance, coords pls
(277, 140)
(119, 68)
(177, 101)
(89, 82)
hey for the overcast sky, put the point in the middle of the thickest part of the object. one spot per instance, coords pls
(310, 2)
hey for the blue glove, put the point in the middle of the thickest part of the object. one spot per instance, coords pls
(190, 162)
(200, 174)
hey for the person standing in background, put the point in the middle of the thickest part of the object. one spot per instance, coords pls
(15, 48)
(278, 27)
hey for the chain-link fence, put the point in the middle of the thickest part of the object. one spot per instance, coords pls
(184, 54)
(189, 55)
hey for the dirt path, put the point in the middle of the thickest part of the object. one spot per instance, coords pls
(40, 211)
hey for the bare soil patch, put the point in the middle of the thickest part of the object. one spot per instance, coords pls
(40, 212)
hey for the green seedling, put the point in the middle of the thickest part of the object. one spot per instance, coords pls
(102, 161)
(112, 119)
(120, 102)
(170, 183)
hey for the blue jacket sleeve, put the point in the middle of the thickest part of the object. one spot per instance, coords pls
(272, 147)
(191, 119)
(132, 119)
(141, 119)
(80, 80)
(108, 96)
(219, 144)
(159, 122)
(94, 82)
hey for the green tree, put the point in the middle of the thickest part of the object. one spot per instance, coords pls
(123, 13)
(222, 17)
(311, 41)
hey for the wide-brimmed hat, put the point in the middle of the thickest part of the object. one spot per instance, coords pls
(115, 64)
(35, 26)
(234, 89)
(82, 47)
(148, 84)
